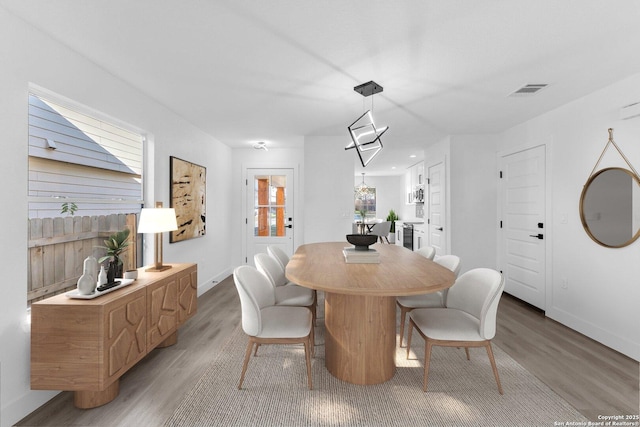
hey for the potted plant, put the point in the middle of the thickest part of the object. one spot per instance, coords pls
(393, 218)
(115, 245)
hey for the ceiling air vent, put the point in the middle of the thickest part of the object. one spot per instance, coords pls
(530, 89)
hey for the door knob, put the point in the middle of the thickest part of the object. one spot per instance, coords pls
(537, 236)
(289, 226)
(439, 228)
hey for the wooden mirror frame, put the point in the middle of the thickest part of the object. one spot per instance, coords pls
(592, 178)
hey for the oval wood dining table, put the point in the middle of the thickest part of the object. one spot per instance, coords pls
(360, 309)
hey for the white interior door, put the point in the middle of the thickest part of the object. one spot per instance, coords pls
(437, 208)
(523, 224)
(269, 216)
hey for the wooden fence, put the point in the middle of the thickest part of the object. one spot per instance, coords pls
(58, 247)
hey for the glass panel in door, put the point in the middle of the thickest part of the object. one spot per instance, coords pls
(270, 206)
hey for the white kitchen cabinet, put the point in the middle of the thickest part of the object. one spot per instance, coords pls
(414, 184)
(419, 236)
(418, 174)
(399, 241)
(408, 183)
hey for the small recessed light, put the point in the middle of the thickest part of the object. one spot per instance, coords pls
(393, 167)
(412, 156)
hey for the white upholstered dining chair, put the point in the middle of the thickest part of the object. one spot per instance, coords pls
(279, 255)
(468, 320)
(433, 299)
(286, 293)
(428, 252)
(270, 267)
(267, 323)
(382, 230)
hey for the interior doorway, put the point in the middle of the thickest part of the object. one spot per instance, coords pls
(269, 216)
(522, 244)
(436, 208)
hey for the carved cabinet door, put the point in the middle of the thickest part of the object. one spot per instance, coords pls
(126, 334)
(187, 294)
(162, 310)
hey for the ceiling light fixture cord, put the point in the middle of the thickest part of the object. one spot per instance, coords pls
(365, 137)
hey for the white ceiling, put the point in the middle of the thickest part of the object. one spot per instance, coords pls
(252, 70)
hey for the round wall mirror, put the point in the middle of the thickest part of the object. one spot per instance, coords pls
(610, 207)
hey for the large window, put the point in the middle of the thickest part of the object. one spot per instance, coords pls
(77, 158)
(85, 183)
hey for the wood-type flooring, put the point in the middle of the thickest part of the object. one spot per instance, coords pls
(596, 380)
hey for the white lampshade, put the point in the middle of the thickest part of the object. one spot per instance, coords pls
(157, 220)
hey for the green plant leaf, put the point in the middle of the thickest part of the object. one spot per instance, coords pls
(115, 245)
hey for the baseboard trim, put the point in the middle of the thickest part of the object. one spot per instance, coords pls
(213, 281)
(607, 338)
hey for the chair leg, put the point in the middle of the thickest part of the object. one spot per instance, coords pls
(493, 365)
(427, 361)
(255, 353)
(387, 239)
(313, 340)
(312, 307)
(403, 317)
(308, 348)
(466, 350)
(409, 337)
(247, 355)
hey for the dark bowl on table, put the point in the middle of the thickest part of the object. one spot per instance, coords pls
(362, 241)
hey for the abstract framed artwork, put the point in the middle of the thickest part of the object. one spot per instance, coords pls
(188, 198)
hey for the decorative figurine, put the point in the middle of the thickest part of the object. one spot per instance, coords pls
(87, 282)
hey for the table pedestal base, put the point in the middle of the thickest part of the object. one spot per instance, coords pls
(360, 337)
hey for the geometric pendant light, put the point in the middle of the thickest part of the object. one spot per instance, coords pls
(365, 136)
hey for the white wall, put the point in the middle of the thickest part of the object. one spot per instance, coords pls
(603, 292)
(328, 189)
(473, 196)
(27, 56)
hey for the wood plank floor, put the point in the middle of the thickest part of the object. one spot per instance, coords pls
(593, 378)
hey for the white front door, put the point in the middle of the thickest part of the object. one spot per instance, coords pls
(436, 208)
(522, 246)
(269, 217)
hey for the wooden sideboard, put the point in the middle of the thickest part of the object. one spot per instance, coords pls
(86, 345)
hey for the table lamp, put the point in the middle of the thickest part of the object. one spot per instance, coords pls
(157, 220)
